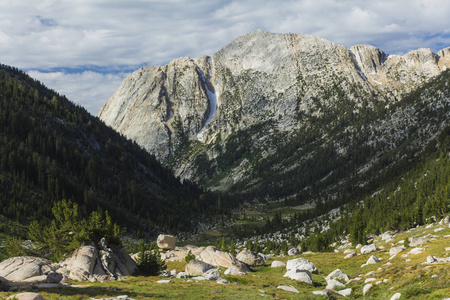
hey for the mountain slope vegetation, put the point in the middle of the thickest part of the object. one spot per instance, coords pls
(51, 149)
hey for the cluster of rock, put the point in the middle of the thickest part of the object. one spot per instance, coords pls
(87, 263)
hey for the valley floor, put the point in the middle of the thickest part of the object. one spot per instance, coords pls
(407, 273)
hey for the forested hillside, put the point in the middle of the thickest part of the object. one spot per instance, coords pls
(51, 149)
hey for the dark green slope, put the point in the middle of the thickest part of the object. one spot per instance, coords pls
(341, 153)
(51, 149)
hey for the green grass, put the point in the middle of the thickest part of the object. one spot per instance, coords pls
(412, 279)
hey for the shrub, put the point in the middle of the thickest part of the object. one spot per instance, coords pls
(69, 231)
(189, 257)
(149, 260)
(415, 290)
(14, 247)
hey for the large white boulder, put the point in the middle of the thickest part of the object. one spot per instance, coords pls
(396, 250)
(217, 258)
(366, 288)
(197, 267)
(234, 272)
(301, 264)
(277, 264)
(337, 274)
(166, 242)
(250, 258)
(333, 283)
(299, 275)
(368, 248)
(417, 241)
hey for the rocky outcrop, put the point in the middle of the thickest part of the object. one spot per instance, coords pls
(90, 263)
(30, 269)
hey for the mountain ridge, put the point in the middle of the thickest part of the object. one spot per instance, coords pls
(275, 91)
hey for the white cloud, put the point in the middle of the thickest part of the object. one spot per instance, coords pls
(89, 89)
(54, 35)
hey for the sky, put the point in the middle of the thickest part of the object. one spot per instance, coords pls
(85, 48)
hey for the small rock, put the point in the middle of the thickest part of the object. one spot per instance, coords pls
(222, 281)
(430, 259)
(416, 251)
(346, 292)
(182, 275)
(357, 279)
(353, 254)
(212, 275)
(366, 288)
(337, 274)
(372, 260)
(277, 264)
(163, 281)
(26, 296)
(288, 288)
(438, 229)
(200, 278)
(358, 246)
(369, 280)
(396, 250)
(385, 280)
(417, 241)
(293, 251)
(368, 248)
(234, 272)
(396, 296)
(334, 283)
(322, 293)
(347, 251)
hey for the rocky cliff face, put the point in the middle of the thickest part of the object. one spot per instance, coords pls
(221, 120)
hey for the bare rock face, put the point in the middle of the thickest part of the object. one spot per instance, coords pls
(166, 242)
(186, 112)
(395, 73)
(27, 268)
